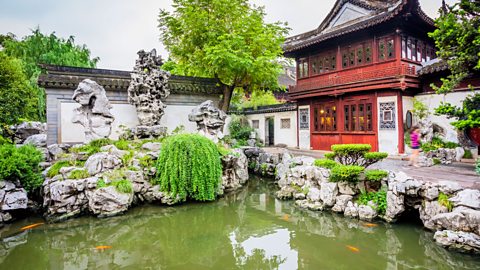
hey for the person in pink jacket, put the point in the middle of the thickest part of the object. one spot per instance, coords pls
(415, 144)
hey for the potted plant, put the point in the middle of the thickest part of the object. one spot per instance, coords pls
(468, 116)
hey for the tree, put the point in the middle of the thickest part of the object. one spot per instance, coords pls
(224, 39)
(39, 48)
(17, 98)
(457, 39)
(254, 99)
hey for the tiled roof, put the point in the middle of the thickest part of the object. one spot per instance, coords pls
(70, 77)
(379, 12)
(433, 66)
(285, 107)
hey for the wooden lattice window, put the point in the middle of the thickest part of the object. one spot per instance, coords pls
(285, 123)
(325, 117)
(358, 115)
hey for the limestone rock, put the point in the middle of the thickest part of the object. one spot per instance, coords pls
(152, 146)
(94, 113)
(351, 210)
(395, 206)
(235, 171)
(210, 120)
(468, 198)
(463, 219)
(366, 212)
(100, 162)
(285, 193)
(26, 129)
(328, 193)
(430, 191)
(56, 150)
(430, 209)
(347, 188)
(461, 241)
(149, 88)
(341, 203)
(314, 194)
(459, 153)
(38, 140)
(13, 199)
(106, 202)
(449, 187)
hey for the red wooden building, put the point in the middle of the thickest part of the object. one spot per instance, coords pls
(357, 73)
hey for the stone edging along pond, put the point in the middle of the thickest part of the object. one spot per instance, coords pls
(446, 208)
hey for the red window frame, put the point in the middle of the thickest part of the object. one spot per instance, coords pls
(358, 115)
(325, 117)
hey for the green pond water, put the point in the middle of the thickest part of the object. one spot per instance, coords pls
(246, 230)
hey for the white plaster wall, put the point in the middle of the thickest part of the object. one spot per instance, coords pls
(433, 101)
(304, 134)
(407, 106)
(125, 115)
(281, 136)
(388, 139)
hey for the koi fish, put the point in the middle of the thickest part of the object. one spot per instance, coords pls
(285, 217)
(102, 247)
(31, 226)
(370, 225)
(353, 249)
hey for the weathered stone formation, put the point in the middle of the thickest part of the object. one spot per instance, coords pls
(442, 155)
(445, 207)
(30, 132)
(210, 120)
(13, 197)
(94, 113)
(148, 88)
(64, 197)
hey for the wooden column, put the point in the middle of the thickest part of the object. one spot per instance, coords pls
(401, 133)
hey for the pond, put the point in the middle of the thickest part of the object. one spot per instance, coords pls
(247, 230)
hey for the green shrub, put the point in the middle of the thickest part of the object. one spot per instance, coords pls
(378, 197)
(468, 154)
(79, 174)
(101, 183)
(346, 173)
(123, 186)
(375, 175)
(127, 158)
(355, 154)
(91, 148)
(436, 161)
(122, 145)
(223, 150)
(477, 168)
(21, 164)
(189, 166)
(4, 140)
(99, 143)
(438, 143)
(146, 161)
(325, 163)
(443, 199)
(330, 156)
(55, 168)
(240, 129)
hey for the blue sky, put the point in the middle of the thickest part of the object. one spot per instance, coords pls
(115, 30)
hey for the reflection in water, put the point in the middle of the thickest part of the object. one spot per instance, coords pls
(246, 230)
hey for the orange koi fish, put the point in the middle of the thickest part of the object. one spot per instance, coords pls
(285, 217)
(31, 226)
(370, 225)
(102, 247)
(353, 249)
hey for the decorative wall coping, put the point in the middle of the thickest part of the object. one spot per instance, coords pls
(285, 107)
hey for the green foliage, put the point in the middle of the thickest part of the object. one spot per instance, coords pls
(468, 116)
(436, 161)
(101, 183)
(122, 144)
(55, 168)
(21, 164)
(375, 175)
(346, 173)
(146, 161)
(127, 158)
(79, 174)
(189, 166)
(438, 143)
(477, 167)
(420, 110)
(255, 99)
(223, 150)
(458, 42)
(224, 39)
(38, 48)
(325, 163)
(468, 154)
(355, 154)
(123, 186)
(91, 148)
(17, 98)
(240, 129)
(378, 197)
(443, 199)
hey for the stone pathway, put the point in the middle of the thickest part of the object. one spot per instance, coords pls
(462, 173)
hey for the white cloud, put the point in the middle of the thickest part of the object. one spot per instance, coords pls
(115, 30)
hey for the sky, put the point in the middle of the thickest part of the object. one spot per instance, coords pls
(115, 30)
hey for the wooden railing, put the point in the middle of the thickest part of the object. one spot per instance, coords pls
(352, 76)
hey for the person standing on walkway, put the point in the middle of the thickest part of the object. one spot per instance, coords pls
(415, 143)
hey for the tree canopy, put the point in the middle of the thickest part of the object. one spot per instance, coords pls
(457, 39)
(38, 48)
(224, 39)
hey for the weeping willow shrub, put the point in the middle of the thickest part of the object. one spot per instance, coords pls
(189, 166)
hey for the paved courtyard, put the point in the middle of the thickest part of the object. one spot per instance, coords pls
(463, 173)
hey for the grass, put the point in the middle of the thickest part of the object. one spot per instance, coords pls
(79, 174)
(443, 199)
